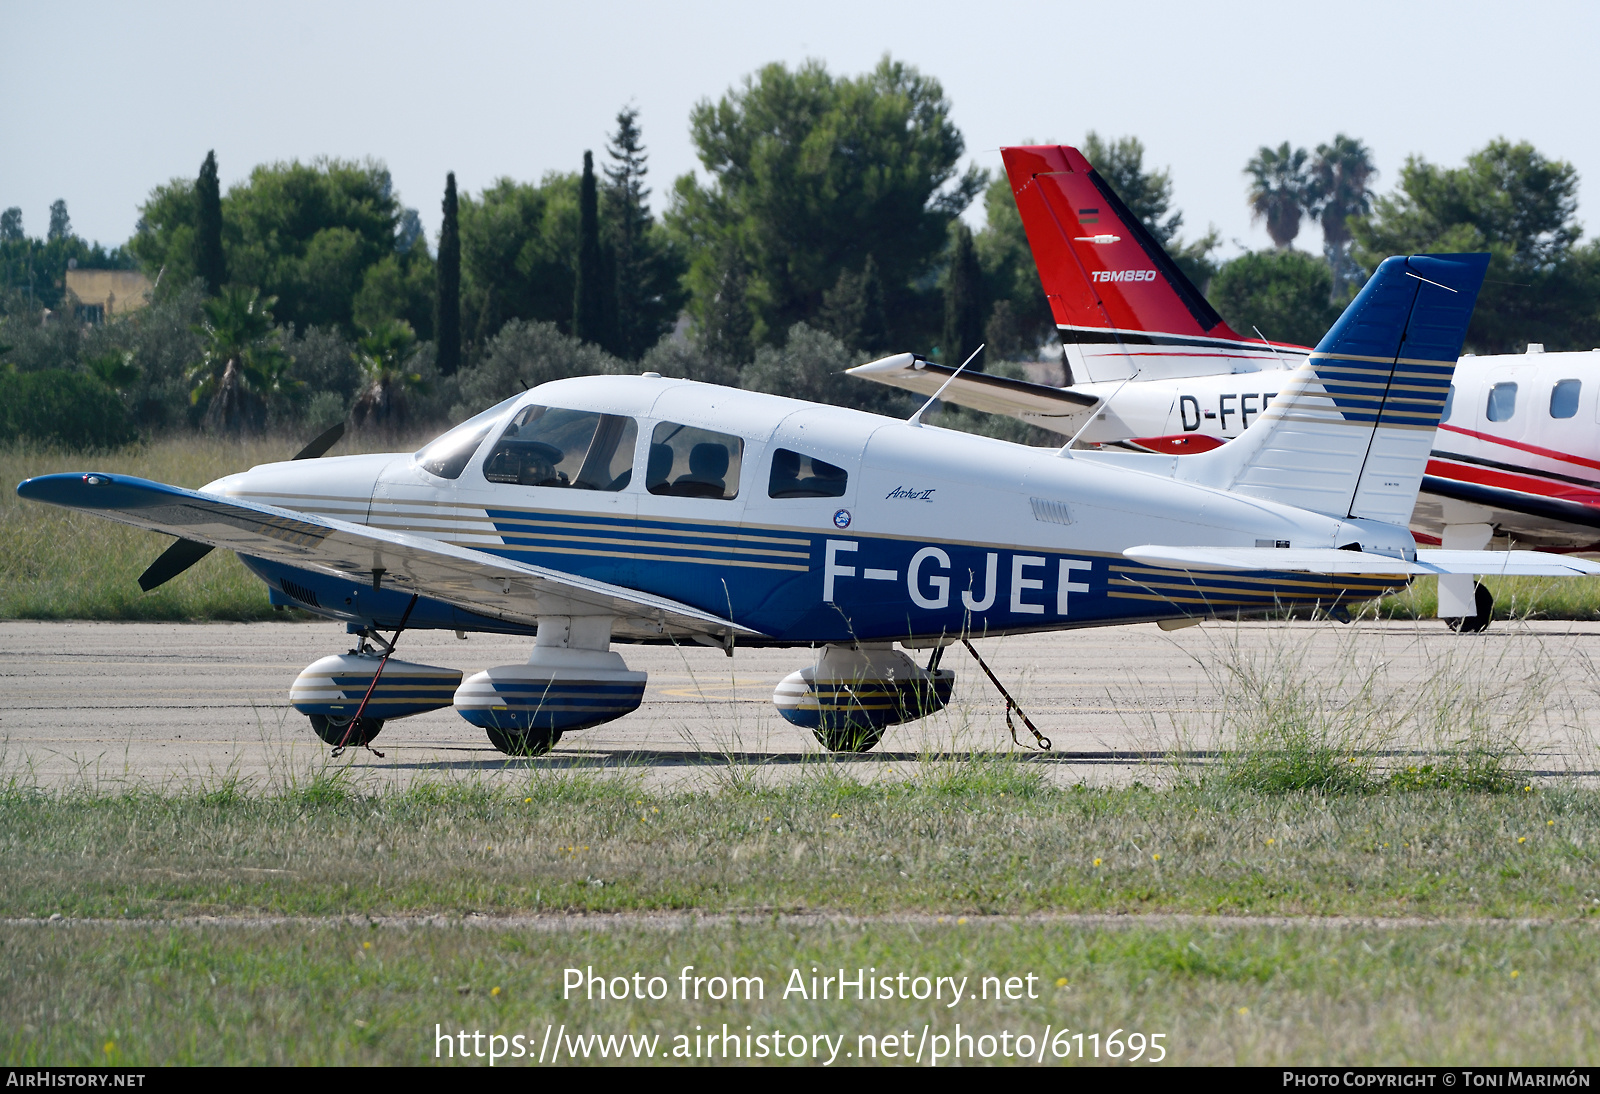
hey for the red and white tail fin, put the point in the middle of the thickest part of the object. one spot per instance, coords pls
(1120, 302)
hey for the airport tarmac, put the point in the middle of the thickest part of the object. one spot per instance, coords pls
(167, 705)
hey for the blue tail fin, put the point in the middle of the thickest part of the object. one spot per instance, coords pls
(1350, 430)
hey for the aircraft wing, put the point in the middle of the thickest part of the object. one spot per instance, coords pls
(476, 580)
(1535, 517)
(1037, 404)
(1329, 560)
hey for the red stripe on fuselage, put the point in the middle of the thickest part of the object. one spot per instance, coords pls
(1547, 453)
(1528, 483)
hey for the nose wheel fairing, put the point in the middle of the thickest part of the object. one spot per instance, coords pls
(335, 686)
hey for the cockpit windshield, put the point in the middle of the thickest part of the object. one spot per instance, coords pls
(447, 454)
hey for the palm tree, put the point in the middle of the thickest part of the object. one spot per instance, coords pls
(115, 370)
(243, 361)
(383, 355)
(1340, 189)
(1279, 191)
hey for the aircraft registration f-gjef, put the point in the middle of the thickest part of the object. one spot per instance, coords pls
(609, 509)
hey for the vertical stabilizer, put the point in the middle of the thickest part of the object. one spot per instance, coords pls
(1117, 297)
(1350, 431)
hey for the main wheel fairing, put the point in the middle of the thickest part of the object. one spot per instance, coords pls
(852, 695)
(546, 697)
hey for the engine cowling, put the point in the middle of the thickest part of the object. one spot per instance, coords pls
(851, 694)
(334, 687)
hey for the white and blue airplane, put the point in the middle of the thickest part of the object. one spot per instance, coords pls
(610, 509)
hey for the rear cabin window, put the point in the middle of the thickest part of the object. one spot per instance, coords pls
(686, 462)
(575, 449)
(1449, 403)
(795, 475)
(1564, 398)
(1502, 402)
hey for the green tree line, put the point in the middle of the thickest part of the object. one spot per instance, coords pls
(825, 228)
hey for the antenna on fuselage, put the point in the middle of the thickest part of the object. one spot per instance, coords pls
(916, 419)
(1268, 344)
(1097, 412)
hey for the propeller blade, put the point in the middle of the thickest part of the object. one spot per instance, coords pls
(173, 561)
(186, 552)
(325, 440)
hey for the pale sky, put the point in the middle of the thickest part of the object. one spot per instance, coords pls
(102, 101)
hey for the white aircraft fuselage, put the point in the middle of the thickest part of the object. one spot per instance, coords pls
(931, 533)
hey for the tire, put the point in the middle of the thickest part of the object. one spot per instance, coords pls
(848, 738)
(337, 731)
(1483, 601)
(529, 742)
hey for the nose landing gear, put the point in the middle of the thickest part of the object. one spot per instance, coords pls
(337, 731)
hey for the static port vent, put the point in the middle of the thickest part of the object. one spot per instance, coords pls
(300, 592)
(1052, 512)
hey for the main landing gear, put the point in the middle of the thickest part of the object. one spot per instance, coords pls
(572, 681)
(1464, 604)
(527, 742)
(1483, 612)
(852, 694)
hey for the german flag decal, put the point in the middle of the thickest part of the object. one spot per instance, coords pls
(1088, 216)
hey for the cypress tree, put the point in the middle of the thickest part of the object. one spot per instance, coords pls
(629, 224)
(963, 304)
(728, 325)
(208, 259)
(447, 320)
(588, 306)
(853, 311)
(874, 335)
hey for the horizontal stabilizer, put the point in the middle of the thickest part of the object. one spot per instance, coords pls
(1505, 563)
(1038, 404)
(1330, 560)
(501, 588)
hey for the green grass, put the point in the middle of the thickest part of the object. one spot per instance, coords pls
(347, 994)
(1348, 726)
(997, 841)
(1470, 932)
(1514, 598)
(55, 564)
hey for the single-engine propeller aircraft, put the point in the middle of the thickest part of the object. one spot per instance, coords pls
(610, 509)
(1149, 365)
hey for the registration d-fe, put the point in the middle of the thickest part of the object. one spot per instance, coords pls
(852, 985)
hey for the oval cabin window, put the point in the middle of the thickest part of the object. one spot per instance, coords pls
(1564, 398)
(1502, 403)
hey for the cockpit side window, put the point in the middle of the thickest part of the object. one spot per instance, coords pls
(576, 449)
(448, 454)
(799, 476)
(687, 462)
